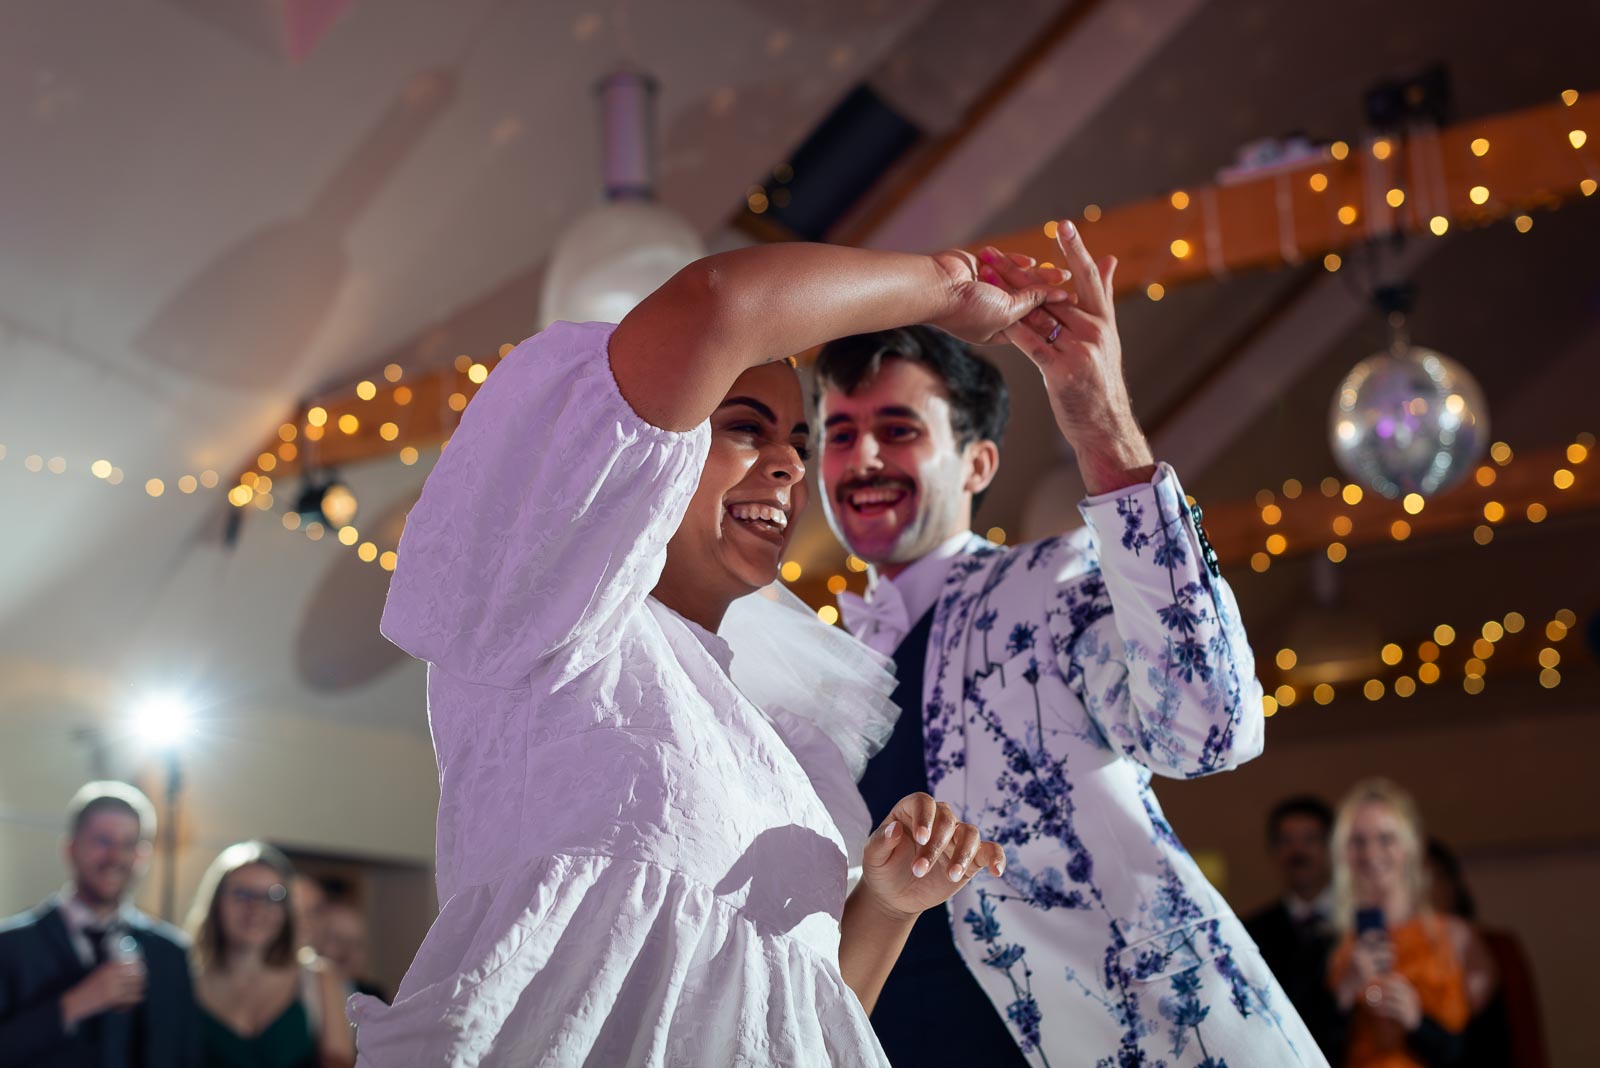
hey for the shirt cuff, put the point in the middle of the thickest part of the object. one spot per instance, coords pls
(1127, 522)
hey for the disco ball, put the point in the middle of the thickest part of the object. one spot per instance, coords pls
(1408, 420)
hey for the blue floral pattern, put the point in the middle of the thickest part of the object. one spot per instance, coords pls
(1064, 675)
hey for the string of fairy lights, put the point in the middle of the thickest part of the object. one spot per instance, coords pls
(1274, 504)
(1429, 656)
(1347, 214)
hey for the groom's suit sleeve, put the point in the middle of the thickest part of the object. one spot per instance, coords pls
(1153, 643)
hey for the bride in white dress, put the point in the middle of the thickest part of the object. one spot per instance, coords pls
(646, 830)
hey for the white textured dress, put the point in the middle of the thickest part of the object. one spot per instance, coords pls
(636, 865)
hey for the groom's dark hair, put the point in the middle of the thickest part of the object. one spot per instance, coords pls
(979, 401)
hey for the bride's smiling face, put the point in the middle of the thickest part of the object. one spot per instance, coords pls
(752, 489)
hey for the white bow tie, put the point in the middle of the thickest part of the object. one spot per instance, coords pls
(879, 619)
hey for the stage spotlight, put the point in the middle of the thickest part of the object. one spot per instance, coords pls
(163, 721)
(326, 500)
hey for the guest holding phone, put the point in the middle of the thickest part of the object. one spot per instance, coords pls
(1406, 978)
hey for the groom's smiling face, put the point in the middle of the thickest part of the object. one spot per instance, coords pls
(896, 484)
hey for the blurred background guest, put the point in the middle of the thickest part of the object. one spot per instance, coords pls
(1296, 932)
(1406, 978)
(343, 940)
(261, 1005)
(1508, 1030)
(86, 978)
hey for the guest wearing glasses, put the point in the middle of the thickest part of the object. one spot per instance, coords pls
(262, 1005)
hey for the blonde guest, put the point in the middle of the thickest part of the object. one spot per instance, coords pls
(1406, 978)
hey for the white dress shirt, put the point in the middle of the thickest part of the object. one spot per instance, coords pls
(892, 606)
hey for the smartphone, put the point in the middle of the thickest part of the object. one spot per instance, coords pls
(1370, 921)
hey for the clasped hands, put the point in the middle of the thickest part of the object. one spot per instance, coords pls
(1070, 334)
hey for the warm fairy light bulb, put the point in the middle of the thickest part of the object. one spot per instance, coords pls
(1381, 149)
(1395, 197)
(1180, 200)
(790, 571)
(1577, 137)
(1337, 552)
(1286, 659)
(1439, 225)
(1480, 146)
(1347, 214)
(1318, 182)
(1155, 291)
(1332, 262)
(1181, 248)
(828, 614)
(366, 390)
(1478, 194)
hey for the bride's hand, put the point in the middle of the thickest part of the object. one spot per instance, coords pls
(979, 311)
(922, 855)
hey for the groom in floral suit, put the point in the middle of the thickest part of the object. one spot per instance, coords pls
(1042, 686)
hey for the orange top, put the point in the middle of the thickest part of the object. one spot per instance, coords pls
(1423, 957)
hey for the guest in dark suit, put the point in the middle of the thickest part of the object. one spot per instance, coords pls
(86, 979)
(1296, 933)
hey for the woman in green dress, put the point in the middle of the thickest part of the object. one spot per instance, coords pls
(261, 1004)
